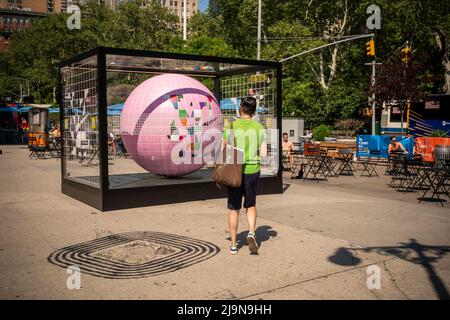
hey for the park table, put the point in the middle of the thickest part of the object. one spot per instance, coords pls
(315, 163)
(438, 182)
(346, 167)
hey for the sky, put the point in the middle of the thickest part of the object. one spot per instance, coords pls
(203, 5)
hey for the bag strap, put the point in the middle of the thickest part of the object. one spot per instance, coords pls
(230, 138)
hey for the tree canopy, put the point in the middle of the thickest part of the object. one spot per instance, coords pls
(322, 87)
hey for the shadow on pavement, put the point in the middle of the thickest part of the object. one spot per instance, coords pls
(344, 257)
(411, 251)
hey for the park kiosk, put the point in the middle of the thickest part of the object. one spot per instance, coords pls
(38, 125)
(92, 82)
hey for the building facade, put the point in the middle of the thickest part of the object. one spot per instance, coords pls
(17, 15)
(176, 7)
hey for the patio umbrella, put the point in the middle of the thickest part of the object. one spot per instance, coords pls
(24, 109)
(9, 109)
(116, 107)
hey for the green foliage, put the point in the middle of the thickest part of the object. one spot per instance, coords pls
(36, 53)
(203, 45)
(439, 133)
(229, 29)
(320, 132)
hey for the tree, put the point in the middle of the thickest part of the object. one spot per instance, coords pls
(401, 83)
(36, 53)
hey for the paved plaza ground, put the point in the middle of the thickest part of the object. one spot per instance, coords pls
(317, 240)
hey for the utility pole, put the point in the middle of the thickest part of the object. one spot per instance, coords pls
(406, 59)
(370, 51)
(258, 53)
(373, 99)
(185, 20)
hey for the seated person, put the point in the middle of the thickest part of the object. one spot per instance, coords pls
(56, 133)
(396, 146)
(111, 143)
(288, 147)
(119, 147)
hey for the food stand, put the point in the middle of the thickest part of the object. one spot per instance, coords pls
(38, 122)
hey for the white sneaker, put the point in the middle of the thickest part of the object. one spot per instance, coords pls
(234, 250)
(252, 245)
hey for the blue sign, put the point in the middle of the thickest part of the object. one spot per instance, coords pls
(377, 146)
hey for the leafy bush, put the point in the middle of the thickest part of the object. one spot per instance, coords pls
(320, 132)
(439, 133)
(349, 125)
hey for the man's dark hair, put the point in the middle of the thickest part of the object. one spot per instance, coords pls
(285, 134)
(248, 105)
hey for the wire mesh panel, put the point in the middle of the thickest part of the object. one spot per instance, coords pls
(156, 109)
(80, 124)
(262, 86)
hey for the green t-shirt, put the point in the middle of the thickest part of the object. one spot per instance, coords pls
(248, 136)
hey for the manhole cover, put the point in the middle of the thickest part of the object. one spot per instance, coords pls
(134, 254)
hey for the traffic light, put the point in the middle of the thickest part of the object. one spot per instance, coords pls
(406, 55)
(370, 48)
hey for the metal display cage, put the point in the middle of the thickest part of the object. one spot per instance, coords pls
(92, 81)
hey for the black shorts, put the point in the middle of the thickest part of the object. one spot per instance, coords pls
(248, 190)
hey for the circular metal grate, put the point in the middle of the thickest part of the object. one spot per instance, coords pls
(96, 257)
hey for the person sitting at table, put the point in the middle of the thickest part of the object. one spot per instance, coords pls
(56, 133)
(395, 146)
(111, 143)
(118, 145)
(288, 147)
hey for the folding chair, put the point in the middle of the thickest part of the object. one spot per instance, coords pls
(297, 171)
(37, 149)
(286, 164)
(396, 172)
(437, 178)
(346, 167)
(315, 163)
(328, 164)
(53, 148)
(32, 146)
(368, 166)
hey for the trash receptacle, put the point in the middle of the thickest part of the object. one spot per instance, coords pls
(441, 153)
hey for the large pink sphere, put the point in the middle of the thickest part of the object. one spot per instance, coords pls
(164, 119)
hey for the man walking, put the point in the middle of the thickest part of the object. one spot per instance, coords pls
(249, 136)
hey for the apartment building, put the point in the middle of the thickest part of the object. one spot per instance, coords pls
(17, 15)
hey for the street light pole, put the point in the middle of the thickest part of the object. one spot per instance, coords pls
(258, 53)
(361, 36)
(21, 88)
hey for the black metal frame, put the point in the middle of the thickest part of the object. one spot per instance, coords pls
(106, 199)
